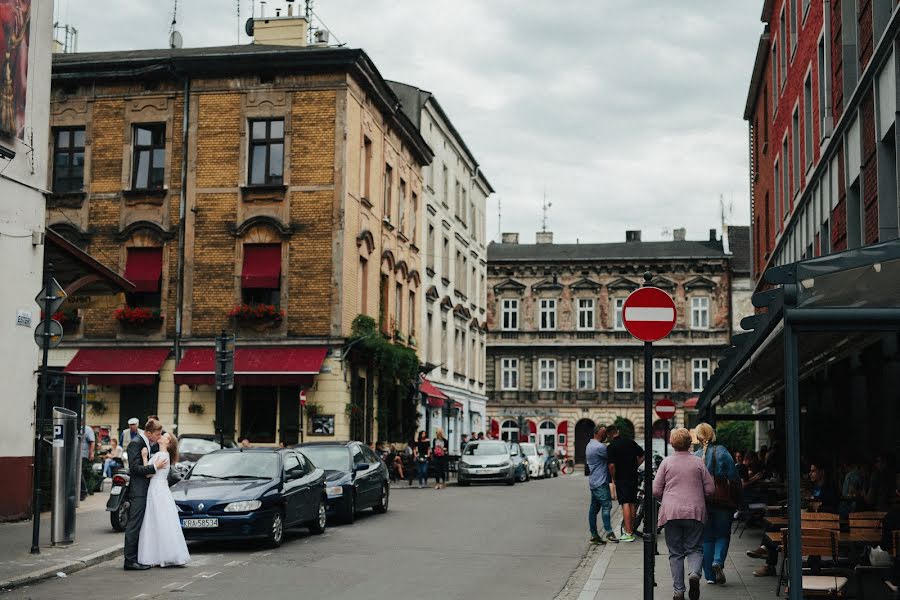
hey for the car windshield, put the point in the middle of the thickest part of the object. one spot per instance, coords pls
(485, 449)
(236, 465)
(197, 446)
(529, 449)
(330, 458)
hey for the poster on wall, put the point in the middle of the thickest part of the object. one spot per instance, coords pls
(14, 27)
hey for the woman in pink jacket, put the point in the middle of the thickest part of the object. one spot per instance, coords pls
(683, 482)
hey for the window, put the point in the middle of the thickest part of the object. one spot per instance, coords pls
(586, 313)
(510, 315)
(367, 169)
(849, 53)
(68, 160)
(807, 121)
(793, 28)
(143, 267)
(463, 206)
(383, 308)
(785, 179)
(547, 373)
(618, 306)
(699, 313)
(445, 198)
(662, 375)
(411, 313)
(509, 374)
(427, 337)
(445, 259)
(805, 8)
(445, 349)
(547, 434)
(509, 431)
(548, 314)
(623, 375)
(261, 274)
(398, 306)
(149, 157)
(363, 285)
(430, 248)
(775, 86)
(413, 217)
(388, 185)
(456, 197)
(782, 55)
(823, 117)
(700, 370)
(584, 368)
(401, 207)
(267, 152)
(777, 205)
(795, 147)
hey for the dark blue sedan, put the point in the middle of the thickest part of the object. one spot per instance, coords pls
(356, 478)
(245, 493)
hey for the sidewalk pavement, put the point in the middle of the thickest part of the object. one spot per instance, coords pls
(618, 573)
(95, 541)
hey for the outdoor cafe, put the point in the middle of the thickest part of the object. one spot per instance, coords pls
(820, 364)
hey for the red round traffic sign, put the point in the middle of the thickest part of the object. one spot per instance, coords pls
(665, 409)
(649, 314)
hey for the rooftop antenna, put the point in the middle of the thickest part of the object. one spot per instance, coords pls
(237, 6)
(545, 209)
(308, 13)
(175, 39)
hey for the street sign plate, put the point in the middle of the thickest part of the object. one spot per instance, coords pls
(56, 292)
(56, 334)
(665, 409)
(302, 398)
(649, 314)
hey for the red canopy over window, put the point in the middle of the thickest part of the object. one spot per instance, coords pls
(563, 428)
(458, 405)
(495, 428)
(118, 366)
(262, 266)
(260, 366)
(143, 268)
(532, 427)
(436, 398)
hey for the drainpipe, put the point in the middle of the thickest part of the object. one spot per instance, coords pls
(182, 211)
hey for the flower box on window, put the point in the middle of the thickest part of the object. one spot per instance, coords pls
(138, 317)
(256, 313)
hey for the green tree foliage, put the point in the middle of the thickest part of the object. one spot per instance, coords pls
(626, 427)
(736, 435)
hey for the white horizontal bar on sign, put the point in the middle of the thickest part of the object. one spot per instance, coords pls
(649, 313)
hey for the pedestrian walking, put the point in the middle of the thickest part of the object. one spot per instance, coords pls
(596, 457)
(113, 458)
(133, 432)
(440, 451)
(624, 458)
(717, 531)
(683, 483)
(87, 458)
(423, 454)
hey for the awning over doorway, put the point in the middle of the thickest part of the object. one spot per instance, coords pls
(457, 405)
(435, 397)
(80, 273)
(118, 366)
(288, 365)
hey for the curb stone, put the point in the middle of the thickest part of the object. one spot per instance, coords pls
(71, 566)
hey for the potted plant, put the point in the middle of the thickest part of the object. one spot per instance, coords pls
(195, 408)
(258, 316)
(138, 317)
(97, 407)
(312, 409)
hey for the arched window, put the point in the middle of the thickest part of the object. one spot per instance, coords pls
(547, 434)
(509, 431)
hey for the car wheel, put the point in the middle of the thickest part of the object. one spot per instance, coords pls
(511, 480)
(524, 476)
(382, 506)
(276, 532)
(317, 527)
(556, 473)
(119, 517)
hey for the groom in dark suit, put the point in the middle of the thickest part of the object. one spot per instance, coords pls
(137, 491)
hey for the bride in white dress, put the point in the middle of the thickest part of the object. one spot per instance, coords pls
(161, 542)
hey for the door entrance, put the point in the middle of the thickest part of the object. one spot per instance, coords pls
(137, 401)
(584, 431)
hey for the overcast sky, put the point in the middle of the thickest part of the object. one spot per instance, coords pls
(628, 114)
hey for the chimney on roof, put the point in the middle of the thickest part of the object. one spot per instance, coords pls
(679, 234)
(510, 238)
(292, 30)
(543, 237)
(712, 235)
(633, 235)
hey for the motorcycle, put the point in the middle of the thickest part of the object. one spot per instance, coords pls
(119, 503)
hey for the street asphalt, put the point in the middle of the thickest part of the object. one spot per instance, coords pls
(482, 541)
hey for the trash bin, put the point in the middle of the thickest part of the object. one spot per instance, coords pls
(65, 488)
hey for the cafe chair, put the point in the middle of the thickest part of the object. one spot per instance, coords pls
(820, 544)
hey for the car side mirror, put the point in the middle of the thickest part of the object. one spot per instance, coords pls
(360, 467)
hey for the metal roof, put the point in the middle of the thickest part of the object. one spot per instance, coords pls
(610, 251)
(739, 244)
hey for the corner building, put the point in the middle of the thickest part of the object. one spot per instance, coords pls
(559, 358)
(271, 190)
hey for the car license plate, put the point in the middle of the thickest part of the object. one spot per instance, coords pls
(199, 523)
(116, 490)
(481, 470)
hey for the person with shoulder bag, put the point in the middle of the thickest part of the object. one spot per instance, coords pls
(720, 506)
(422, 453)
(440, 456)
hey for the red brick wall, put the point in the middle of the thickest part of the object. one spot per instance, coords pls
(865, 43)
(869, 173)
(837, 62)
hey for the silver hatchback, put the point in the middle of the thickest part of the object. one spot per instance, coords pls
(486, 460)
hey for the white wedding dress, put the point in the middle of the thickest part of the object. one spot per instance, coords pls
(161, 542)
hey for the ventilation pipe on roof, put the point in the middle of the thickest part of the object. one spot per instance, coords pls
(633, 235)
(543, 237)
(510, 238)
(679, 234)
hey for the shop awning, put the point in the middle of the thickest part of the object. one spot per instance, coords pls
(495, 428)
(118, 366)
(563, 428)
(691, 403)
(435, 397)
(262, 266)
(144, 268)
(457, 405)
(296, 365)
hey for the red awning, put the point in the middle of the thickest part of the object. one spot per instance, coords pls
(118, 366)
(532, 427)
(262, 266)
(458, 405)
(260, 366)
(495, 428)
(691, 402)
(143, 268)
(436, 398)
(563, 428)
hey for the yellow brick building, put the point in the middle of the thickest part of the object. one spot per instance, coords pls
(294, 208)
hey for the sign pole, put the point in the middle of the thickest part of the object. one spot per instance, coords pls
(39, 415)
(649, 523)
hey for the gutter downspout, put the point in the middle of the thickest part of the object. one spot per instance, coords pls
(182, 211)
(828, 121)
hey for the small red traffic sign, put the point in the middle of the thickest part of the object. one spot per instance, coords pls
(649, 314)
(302, 398)
(665, 409)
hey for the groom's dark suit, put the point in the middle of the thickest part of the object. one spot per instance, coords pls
(137, 494)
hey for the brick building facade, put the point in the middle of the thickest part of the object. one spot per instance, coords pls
(559, 358)
(297, 205)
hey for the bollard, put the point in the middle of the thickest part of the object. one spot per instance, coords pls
(64, 476)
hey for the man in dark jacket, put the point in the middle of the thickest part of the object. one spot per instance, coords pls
(137, 491)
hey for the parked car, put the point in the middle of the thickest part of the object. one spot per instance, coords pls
(519, 461)
(356, 479)
(246, 493)
(535, 462)
(549, 461)
(486, 461)
(191, 446)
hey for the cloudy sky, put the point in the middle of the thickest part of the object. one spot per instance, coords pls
(628, 113)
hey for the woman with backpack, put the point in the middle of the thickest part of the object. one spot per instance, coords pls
(422, 451)
(440, 450)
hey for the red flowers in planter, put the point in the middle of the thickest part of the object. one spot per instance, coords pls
(137, 315)
(257, 312)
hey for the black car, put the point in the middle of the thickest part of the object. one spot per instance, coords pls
(356, 478)
(244, 493)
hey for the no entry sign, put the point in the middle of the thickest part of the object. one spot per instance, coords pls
(665, 409)
(649, 314)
